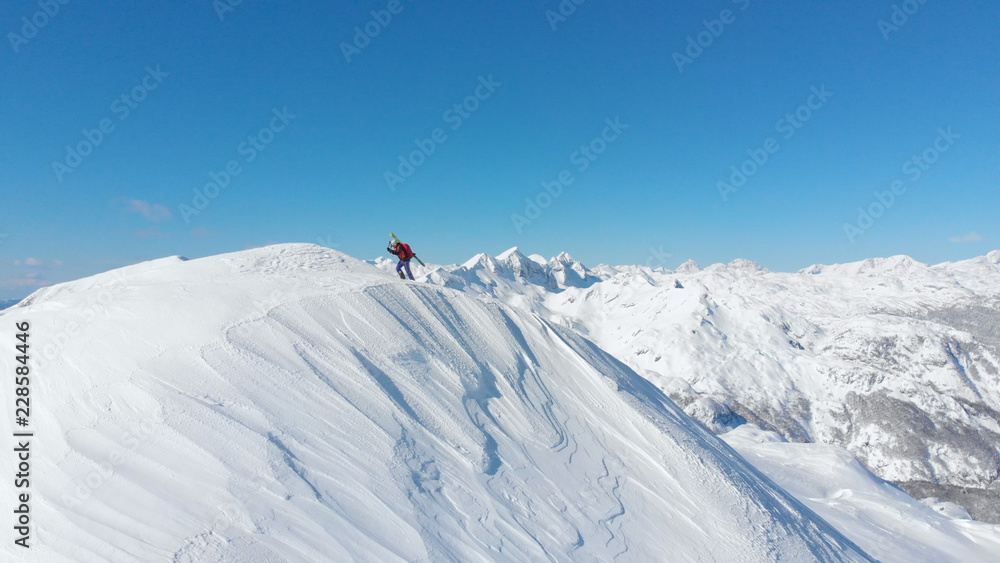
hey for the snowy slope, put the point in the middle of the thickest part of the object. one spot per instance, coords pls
(885, 521)
(895, 360)
(293, 403)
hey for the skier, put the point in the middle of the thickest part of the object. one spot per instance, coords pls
(405, 253)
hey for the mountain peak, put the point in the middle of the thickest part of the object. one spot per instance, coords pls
(689, 266)
(563, 257)
(897, 263)
(513, 252)
(480, 259)
(538, 259)
(744, 264)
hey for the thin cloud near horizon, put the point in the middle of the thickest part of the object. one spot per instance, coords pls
(971, 237)
(155, 212)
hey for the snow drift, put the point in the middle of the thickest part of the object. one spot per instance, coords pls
(293, 403)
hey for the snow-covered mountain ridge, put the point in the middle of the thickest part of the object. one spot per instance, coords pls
(895, 360)
(293, 403)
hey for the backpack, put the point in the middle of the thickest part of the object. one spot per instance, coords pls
(405, 252)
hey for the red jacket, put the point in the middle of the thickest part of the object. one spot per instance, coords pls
(404, 251)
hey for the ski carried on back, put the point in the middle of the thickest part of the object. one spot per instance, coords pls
(395, 238)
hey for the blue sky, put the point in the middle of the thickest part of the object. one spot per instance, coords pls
(501, 96)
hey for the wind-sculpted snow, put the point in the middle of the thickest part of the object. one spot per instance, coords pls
(884, 520)
(292, 403)
(895, 360)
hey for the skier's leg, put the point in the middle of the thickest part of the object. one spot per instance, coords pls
(408, 272)
(399, 269)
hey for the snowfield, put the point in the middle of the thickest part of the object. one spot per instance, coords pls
(894, 360)
(879, 516)
(293, 403)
